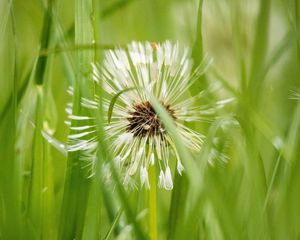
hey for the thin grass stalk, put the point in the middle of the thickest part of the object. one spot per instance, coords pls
(10, 172)
(259, 50)
(77, 184)
(152, 204)
(177, 205)
(190, 165)
(92, 225)
(36, 199)
(17, 171)
(45, 39)
(197, 52)
(237, 25)
(116, 220)
(49, 124)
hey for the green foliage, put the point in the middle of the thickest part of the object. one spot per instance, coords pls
(244, 182)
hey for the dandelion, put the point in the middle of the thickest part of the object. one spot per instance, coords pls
(137, 135)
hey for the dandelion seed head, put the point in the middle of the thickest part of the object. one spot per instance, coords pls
(137, 136)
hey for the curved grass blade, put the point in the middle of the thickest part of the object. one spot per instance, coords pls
(114, 100)
(190, 165)
(114, 224)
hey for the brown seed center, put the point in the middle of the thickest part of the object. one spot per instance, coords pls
(143, 120)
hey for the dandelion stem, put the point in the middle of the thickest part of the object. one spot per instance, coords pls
(152, 204)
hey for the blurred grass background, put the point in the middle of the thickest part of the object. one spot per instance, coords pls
(46, 46)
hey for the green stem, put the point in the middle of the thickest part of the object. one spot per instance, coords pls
(152, 204)
(178, 205)
(197, 53)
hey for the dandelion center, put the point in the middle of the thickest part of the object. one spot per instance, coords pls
(143, 120)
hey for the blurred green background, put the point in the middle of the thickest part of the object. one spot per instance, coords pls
(252, 193)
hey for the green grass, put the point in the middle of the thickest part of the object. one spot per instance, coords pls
(46, 46)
